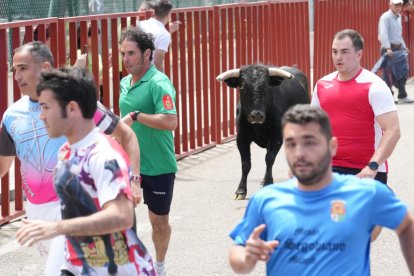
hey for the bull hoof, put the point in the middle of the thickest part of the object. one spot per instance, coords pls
(241, 193)
(240, 197)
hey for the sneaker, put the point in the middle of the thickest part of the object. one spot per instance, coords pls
(160, 270)
(405, 100)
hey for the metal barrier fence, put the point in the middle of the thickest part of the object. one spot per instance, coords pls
(209, 41)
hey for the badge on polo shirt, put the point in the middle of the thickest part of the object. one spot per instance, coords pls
(168, 102)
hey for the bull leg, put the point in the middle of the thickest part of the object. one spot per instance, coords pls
(244, 150)
(270, 160)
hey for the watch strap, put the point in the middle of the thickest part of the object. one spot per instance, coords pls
(135, 178)
(134, 115)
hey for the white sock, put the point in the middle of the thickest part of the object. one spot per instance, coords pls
(159, 264)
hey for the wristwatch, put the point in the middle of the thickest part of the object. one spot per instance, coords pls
(373, 165)
(134, 115)
(135, 178)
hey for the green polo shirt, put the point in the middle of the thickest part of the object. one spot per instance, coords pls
(152, 94)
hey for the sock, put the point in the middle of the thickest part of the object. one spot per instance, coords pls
(159, 264)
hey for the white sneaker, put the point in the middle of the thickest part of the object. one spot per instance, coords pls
(160, 270)
(405, 100)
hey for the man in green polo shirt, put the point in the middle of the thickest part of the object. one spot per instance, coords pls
(147, 104)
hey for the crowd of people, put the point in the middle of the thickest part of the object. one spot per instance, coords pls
(84, 169)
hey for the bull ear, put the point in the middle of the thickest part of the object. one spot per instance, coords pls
(275, 81)
(232, 82)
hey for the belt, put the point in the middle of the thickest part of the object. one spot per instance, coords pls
(396, 46)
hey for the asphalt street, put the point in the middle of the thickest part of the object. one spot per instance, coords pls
(204, 211)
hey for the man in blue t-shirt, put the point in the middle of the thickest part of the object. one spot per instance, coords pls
(318, 223)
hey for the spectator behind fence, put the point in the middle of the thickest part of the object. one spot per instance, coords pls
(47, 33)
(156, 27)
(81, 58)
(320, 222)
(408, 6)
(390, 37)
(85, 50)
(91, 179)
(24, 135)
(147, 104)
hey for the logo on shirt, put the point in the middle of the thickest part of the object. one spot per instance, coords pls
(168, 102)
(338, 210)
(329, 86)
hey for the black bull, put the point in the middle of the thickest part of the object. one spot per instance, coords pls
(265, 94)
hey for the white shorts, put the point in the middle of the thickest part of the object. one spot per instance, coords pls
(52, 250)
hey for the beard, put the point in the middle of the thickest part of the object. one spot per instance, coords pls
(316, 174)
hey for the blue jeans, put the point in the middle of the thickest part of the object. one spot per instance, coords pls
(395, 72)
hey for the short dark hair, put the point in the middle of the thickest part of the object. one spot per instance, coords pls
(407, 3)
(71, 84)
(144, 40)
(38, 50)
(78, 33)
(356, 38)
(36, 32)
(162, 8)
(302, 114)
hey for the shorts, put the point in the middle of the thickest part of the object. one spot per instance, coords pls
(51, 250)
(381, 176)
(49, 211)
(158, 192)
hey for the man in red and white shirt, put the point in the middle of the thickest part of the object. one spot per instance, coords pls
(361, 109)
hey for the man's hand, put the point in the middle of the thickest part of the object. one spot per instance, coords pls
(367, 172)
(33, 231)
(81, 61)
(174, 26)
(127, 120)
(258, 249)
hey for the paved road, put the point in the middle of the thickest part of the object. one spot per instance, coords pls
(203, 211)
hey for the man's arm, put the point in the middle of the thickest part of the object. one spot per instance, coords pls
(383, 36)
(391, 134)
(5, 164)
(158, 121)
(406, 235)
(129, 142)
(116, 215)
(244, 258)
(159, 59)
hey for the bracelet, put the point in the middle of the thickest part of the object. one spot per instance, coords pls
(134, 115)
(135, 178)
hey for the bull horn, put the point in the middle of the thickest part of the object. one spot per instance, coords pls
(233, 73)
(276, 72)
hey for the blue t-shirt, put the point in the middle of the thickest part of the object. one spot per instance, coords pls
(325, 232)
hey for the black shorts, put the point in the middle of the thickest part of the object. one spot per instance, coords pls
(158, 192)
(381, 176)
